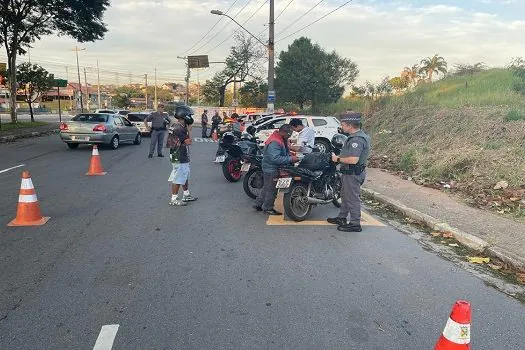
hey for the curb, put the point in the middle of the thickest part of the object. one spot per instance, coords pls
(10, 138)
(473, 242)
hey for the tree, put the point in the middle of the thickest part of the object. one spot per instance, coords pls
(399, 83)
(431, 65)
(242, 62)
(211, 90)
(253, 94)
(412, 74)
(121, 101)
(35, 81)
(22, 22)
(469, 69)
(308, 74)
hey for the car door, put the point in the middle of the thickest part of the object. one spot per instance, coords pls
(265, 130)
(121, 130)
(131, 130)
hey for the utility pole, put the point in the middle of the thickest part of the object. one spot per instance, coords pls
(98, 87)
(271, 91)
(87, 89)
(156, 103)
(146, 77)
(76, 49)
(187, 83)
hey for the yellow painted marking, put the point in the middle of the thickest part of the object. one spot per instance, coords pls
(275, 220)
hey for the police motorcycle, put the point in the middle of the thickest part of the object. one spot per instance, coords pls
(236, 151)
(315, 180)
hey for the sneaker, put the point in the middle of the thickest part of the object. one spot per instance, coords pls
(257, 207)
(150, 156)
(337, 221)
(272, 212)
(160, 155)
(188, 198)
(350, 228)
(177, 203)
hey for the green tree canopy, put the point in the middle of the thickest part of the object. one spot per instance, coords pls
(253, 94)
(22, 22)
(433, 65)
(308, 74)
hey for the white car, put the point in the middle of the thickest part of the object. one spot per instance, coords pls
(137, 119)
(325, 128)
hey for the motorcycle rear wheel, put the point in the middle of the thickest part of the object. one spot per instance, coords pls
(231, 168)
(296, 206)
(253, 175)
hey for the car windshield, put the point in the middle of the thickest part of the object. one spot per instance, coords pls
(135, 117)
(91, 118)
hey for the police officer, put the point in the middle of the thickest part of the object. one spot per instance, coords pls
(353, 159)
(159, 122)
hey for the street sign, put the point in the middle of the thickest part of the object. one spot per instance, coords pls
(60, 83)
(200, 61)
(271, 96)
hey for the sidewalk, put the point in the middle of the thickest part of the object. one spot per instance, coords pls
(478, 229)
(13, 134)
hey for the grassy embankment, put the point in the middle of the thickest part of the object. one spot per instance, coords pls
(467, 130)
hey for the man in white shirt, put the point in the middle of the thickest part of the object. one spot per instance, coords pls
(306, 139)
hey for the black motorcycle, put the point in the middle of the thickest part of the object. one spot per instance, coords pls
(233, 150)
(253, 179)
(315, 181)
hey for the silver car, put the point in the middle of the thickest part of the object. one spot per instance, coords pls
(99, 128)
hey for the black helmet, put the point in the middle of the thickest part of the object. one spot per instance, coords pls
(338, 141)
(185, 113)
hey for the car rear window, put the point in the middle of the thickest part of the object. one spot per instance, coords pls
(319, 122)
(90, 118)
(136, 117)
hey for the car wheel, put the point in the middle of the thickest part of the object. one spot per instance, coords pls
(72, 145)
(322, 145)
(114, 142)
(138, 139)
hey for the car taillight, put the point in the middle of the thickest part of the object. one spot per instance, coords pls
(63, 126)
(100, 127)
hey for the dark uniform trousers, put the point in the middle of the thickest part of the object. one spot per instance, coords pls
(350, 197)
(266, 198)
(157, 139)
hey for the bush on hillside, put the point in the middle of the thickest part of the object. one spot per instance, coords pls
(468, 69)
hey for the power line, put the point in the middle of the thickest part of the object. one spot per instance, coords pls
(208, 32)
(227, 24)
(317, 20)
(253, 14)
(297, 20)
(280, 13)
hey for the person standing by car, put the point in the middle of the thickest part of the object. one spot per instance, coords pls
(306, 140)
(353, 160)
(204, 124)
(179, 141)
(276, 154)
(159, 121)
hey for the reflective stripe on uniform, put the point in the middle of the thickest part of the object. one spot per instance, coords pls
(27, 198)
(457, 333)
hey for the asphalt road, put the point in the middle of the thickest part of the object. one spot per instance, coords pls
(214, 274)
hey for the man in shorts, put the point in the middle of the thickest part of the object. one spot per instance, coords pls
(180, 156)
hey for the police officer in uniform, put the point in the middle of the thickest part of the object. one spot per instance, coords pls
(353, 159)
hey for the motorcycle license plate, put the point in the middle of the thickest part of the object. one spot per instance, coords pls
(284, 182)
(245, 167)
(220, 159)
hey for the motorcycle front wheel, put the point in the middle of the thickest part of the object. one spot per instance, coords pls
(253, 182)
(231, 168)
(296, 204)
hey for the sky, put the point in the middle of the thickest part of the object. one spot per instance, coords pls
(381, 36)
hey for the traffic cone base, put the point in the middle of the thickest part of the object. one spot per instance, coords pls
(28, 210)
(95, 165)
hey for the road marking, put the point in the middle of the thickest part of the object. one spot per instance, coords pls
(8, 169)
(106, 337)
(200, 139)
(275, 220)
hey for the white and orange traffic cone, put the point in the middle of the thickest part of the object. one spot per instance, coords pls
(95, 165)
(456, 335)
(214, 136)
(28, 211)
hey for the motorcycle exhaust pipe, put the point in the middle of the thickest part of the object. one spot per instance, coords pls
(312, 200)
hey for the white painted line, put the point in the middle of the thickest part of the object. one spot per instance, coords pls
(8, 169)
(106, 337)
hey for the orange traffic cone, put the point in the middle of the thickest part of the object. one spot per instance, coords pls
(28, 211)
(456, 335)
(214, 135)
(95, 165)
